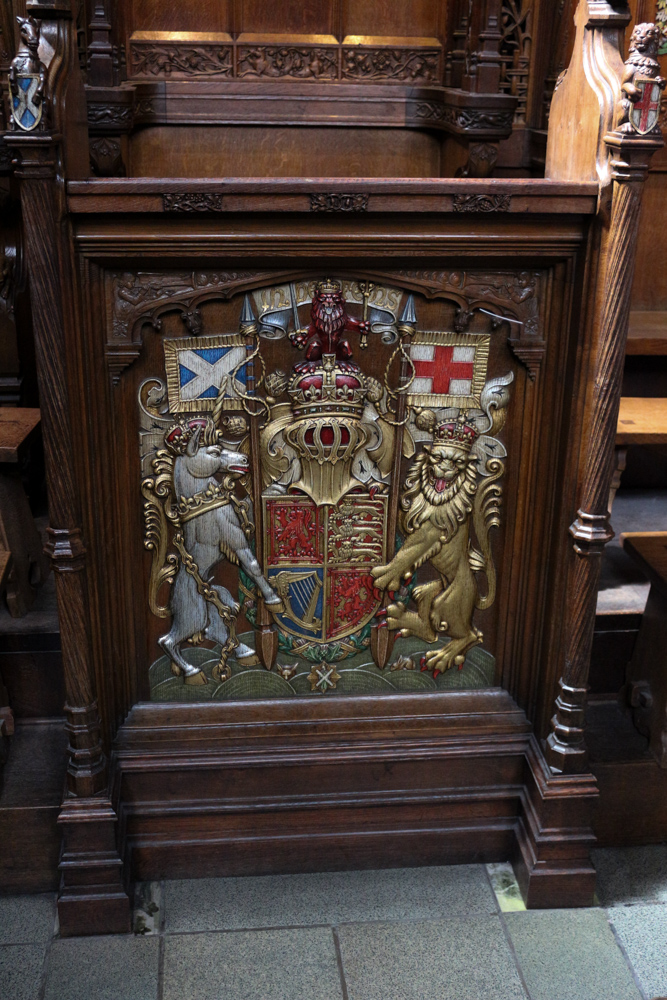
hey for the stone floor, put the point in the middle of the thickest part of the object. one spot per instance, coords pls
(455, 933)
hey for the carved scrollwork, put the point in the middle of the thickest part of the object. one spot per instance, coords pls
(402, 65)
(112, 115)
(300, 63)
(475, 120)
(339, 202)
(192, 202)
(482, 203)
(510, 295)
(155, 59)
(136, 296)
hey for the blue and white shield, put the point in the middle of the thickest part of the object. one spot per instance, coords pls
(26, 113)
(202, 370)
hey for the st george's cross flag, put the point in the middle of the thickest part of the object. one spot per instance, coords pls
(449, 368)
(196, 369)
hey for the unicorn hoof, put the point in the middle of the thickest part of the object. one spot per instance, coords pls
(175, 669)
(196, 679)
(250, 659)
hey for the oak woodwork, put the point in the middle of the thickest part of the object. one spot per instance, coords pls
(246, 167)
(641, 420)
(647, 333)
(646, 690)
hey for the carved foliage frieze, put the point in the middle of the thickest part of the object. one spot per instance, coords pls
(192, 202)
(359, 63)
(482, 203)
(107, 116)
(154, 58)
(401, 65)
(288, 62)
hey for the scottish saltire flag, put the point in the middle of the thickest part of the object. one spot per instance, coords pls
(198, 367)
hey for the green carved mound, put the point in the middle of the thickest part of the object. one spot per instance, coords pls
(357, 675)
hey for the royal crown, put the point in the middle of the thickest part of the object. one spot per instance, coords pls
(460, 433)
(328, 287)
(328, 402)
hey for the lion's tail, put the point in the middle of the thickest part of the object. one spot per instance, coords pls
(486, 515)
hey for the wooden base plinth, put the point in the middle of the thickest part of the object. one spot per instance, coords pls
(92, 897)
(329, 784)
(554, 836)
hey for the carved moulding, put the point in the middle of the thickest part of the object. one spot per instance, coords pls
(192, 202)
(482, 203)
(339, 202)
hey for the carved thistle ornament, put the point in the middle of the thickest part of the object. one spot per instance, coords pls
(271, 494)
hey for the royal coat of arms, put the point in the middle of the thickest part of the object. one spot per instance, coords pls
(345, 564)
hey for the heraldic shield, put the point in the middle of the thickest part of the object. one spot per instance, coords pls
(319, 561)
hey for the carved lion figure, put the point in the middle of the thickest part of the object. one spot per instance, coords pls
(642, 61)
(450, 487)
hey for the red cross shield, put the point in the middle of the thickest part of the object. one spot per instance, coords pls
(646, 110)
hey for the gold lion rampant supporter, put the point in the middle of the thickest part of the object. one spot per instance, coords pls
(451, 482)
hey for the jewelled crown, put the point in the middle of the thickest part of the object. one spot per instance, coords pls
(460, 433)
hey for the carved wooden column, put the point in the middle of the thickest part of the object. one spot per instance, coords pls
(630, 155)
(90, 863)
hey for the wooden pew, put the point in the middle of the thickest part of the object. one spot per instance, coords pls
(640, 421)
(19, 536)
(647, 674)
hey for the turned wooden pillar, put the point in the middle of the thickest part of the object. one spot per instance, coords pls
(630, 155)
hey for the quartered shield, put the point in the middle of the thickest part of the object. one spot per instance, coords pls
(319, 561)
(645, 112)
(25, 111)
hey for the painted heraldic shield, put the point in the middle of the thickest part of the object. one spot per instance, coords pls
(319, 561)
(645, 112)
(25, 111)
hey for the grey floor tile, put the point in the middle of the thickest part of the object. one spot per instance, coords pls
(327, 898)
(642, 931)
(252, 965)
(455, 959)
(27, 919)
(570, 953)
(103, 968)
(21, 970)
(631, 874)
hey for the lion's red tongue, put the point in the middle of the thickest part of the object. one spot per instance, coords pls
(440, 485)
